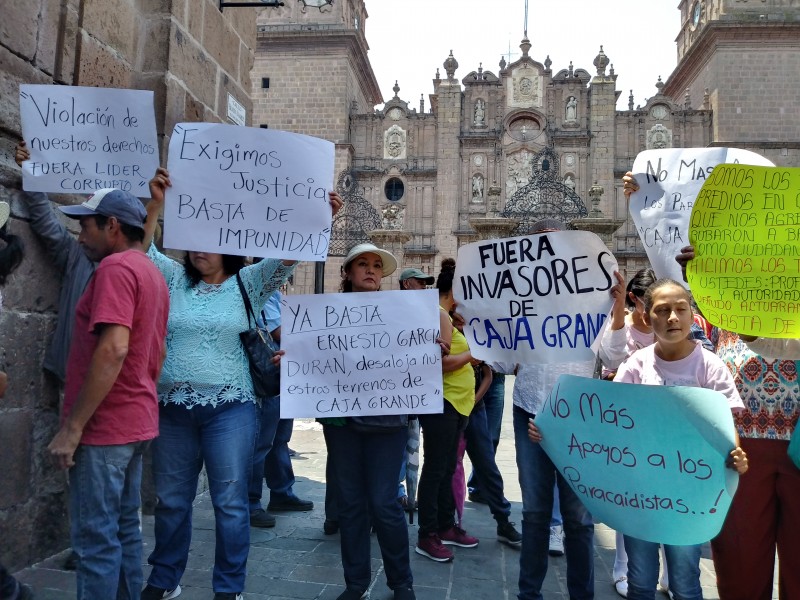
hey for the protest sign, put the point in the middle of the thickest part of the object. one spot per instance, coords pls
(248, 191)
(669, 181)
(537, 298)
(369, 353)
(648, 461)
(745, 228)
(83, 139)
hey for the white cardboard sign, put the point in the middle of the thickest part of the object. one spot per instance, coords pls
(357, 354)
(249, 192)
(82, 139)
(537, 298)
(669, 181)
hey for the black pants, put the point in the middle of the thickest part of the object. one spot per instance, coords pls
(435, 500)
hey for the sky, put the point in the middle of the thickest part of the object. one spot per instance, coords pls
(410, 39)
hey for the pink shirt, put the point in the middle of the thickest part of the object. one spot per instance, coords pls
(700, 369)
(127, 289)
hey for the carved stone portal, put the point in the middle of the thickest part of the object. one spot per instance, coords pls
(659, 137)
(394, 143)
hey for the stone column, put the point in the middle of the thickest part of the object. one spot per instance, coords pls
(597, 222)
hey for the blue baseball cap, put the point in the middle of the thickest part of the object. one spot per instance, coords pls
(110, 202)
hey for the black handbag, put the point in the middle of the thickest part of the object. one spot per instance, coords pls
(260, 347)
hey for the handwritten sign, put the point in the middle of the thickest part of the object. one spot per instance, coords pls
(249, 192)
(538, 298)
(650, 464)
(369, 353)
(669, 181)
(745, 228)
(82, 139)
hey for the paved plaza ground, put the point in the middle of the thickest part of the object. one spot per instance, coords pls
(295, 560)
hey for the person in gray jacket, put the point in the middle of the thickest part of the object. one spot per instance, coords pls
(76, 270)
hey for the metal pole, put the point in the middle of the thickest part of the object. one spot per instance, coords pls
(319, 278)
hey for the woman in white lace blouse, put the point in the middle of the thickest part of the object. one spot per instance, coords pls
(207, 408)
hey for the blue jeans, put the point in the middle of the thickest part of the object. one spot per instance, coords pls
(365, 467)
(222, 438)
(493, 400)
(481, 455)
(537, 476)
(683, 563)
(268, 417)
(104, 497)
(278, 471)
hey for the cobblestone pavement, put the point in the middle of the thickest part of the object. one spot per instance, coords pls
(296, 560)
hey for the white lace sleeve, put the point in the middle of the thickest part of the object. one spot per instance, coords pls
(170, 269)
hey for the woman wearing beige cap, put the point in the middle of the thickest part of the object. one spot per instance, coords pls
(366, 454)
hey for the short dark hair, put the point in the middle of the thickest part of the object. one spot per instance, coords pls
(231, 264)
(131, 233)
(638, 285)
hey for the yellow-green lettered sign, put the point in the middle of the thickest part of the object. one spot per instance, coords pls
(745, 229)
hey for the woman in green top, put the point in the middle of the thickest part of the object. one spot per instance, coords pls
(435, 502)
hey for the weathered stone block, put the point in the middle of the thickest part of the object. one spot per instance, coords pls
(65, 58)
(155, 83)
(115, 23)
(175, 105)
(46, 44)
(155, 50)
(18, 27)
(220, 41)
(100, 66)
(23, 345)
(15, 459)
(189, 63)
(194, 111)
(195, 9)
(13, 72)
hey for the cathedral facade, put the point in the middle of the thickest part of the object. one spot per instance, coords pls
(492, 151)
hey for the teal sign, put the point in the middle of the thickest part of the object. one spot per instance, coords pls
(648, 461)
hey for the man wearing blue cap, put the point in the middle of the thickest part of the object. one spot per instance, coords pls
(110, 408)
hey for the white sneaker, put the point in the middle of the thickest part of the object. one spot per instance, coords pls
(621, 585)
(556, 541)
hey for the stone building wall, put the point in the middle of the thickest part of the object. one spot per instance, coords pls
(191, 56)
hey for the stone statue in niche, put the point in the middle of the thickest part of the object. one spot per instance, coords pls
(480, 113)
(477, 188)
(392, 217)
(571, 113)
(569, 182)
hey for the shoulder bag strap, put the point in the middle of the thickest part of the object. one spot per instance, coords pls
(248, 307)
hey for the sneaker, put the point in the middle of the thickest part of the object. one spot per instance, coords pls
(455, 536)
(477, 498)
(406, 593)
(621, 585)
(556, 541)
(508, 534)
(351, 594)
(291, 504)
(151, 592)
(261, 518)
(228, 596)
(431, 546)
